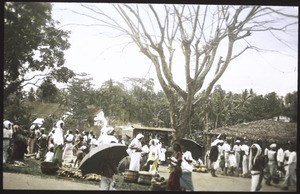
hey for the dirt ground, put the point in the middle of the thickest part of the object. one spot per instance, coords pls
(201, 181)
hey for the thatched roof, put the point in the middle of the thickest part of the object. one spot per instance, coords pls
(267, 130)
(154, 129)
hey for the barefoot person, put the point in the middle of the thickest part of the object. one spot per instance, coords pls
(173, 183)
(58, 140)
(256, 166)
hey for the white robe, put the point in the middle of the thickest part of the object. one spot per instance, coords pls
(135, 157)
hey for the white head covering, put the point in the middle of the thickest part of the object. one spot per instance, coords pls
(58, 137)
(109, 130)
(215, 142)
(237, 141)
(58, 123)
(273, 145)
(139, 136)
(82, 148)
(257, 154)
(104, 130)
(51, 146)
(7, 124)
(44, 136)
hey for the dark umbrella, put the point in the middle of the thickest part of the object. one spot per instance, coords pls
(124, 164)
(94, 161)
(193, 147)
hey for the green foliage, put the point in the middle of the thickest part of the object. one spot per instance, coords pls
(31, 95)
(16, 110)
(77, 98)
(291, 105)
(114, 101)
(47, 92)
(226, 108)
(31, 42)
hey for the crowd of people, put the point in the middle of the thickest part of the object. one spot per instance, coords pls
(243, 159)
(18, 142)
(61, 146)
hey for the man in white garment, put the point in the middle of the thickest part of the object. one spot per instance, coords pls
(7, 136)
(245, 158)
(290, 165)
(226, 150)
(237, 150)
(109, 136)
(186, 182)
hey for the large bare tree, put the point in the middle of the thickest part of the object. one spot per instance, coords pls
(204, 35)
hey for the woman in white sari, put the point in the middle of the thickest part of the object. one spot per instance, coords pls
(135, 148)
(58, 140)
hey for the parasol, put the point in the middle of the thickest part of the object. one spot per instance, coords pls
(98, 157)
(193, 147)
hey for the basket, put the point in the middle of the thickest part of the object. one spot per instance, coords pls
(145, 178)
(131, 176)
(49, 167)
(158, 186)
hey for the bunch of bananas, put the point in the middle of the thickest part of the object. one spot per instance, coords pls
(69, 173)
(74, 173)
(200, 169)
(158, 184)
(92, 177)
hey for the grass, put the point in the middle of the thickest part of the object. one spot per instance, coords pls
(43, 110)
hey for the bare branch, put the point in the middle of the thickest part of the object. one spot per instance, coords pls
(241, 52)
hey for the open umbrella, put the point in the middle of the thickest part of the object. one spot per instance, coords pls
(124, 164)
(193, 147)
(95, 160)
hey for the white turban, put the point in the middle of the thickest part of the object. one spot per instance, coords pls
(273, 145)
(139, 136)
(7, 124)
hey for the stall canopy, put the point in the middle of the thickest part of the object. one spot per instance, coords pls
(163, 134)
(38, 121)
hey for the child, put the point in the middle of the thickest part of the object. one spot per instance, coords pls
(42, 147)
(80, 155)
(49, 155)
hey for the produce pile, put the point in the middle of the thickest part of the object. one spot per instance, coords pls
(75, 173)
(158, 184)
(202, 169)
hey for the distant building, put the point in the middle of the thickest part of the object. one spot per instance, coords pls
(282, 119)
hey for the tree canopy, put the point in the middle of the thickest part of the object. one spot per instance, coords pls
(32, 43)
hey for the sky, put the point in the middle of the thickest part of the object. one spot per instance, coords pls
(104, 58)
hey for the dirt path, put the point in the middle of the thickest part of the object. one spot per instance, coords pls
(202, 182)
(29, 182)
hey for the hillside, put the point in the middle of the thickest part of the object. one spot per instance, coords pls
(39, 109)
